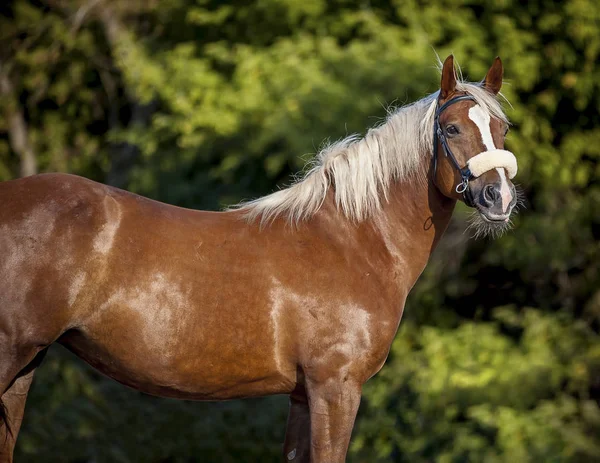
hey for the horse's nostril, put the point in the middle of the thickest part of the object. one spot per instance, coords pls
(490, 195)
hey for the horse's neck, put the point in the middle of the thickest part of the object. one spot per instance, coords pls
(411, 223)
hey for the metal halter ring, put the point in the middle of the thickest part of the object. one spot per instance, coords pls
(462, 186)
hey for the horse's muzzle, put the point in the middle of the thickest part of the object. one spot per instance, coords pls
(495, 201)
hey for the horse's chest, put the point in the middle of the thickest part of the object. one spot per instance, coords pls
(339, 336)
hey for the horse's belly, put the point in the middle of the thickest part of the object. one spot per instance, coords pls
(215, 370)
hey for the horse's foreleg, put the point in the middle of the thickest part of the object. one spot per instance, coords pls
(297, 435)
(14, 403)
(333, 407)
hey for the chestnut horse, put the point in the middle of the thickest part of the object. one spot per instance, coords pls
(298, 293)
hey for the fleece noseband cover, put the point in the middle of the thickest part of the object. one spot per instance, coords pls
(493, 159)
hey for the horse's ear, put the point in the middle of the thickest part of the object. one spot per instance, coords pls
(493, 78)
(448, 85)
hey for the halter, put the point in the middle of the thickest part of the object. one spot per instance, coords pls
(477, 165)
(438, 135)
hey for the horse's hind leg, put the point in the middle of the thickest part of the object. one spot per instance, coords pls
(14, 388)
(14, 403)
(297, 435)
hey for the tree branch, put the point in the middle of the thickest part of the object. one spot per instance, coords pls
(124, 155)
(18, 132)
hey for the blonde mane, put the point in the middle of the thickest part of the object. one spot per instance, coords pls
(361, 169)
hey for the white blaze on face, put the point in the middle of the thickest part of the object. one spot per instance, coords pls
(482, 120)
(504, 189)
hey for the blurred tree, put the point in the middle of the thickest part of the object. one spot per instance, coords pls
(201, 103)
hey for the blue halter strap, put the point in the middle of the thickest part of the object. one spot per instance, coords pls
(438, 136)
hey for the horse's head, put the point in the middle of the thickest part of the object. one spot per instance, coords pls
(470, 162)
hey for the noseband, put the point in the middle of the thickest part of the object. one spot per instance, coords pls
(477, 165)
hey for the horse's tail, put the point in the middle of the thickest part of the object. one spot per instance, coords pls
(4, 420)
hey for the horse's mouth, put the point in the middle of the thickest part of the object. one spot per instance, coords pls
(493, 218)
(485, 223)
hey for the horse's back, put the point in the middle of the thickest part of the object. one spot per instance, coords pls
(63, 238)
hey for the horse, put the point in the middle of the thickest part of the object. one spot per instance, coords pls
(300, 292)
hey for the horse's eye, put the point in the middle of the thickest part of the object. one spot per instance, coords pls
(451, 130)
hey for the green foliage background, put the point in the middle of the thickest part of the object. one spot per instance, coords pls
(202, 103)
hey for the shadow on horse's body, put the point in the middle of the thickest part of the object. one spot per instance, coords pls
(210, 306)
